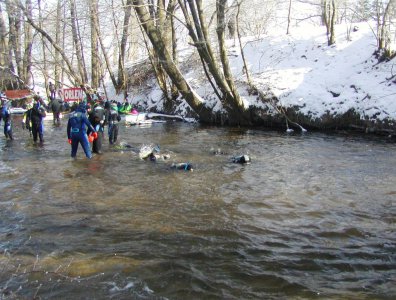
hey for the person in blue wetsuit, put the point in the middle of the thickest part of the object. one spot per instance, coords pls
(77, 131)
(5, 114)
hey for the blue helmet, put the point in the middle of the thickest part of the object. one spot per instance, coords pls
(81, 108)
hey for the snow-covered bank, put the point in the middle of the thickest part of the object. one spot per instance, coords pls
(304, 73)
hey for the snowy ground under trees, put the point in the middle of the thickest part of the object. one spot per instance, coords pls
(319, 81)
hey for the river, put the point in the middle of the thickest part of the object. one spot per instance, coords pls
(312, 217)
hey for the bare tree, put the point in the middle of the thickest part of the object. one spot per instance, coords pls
(76, 41)
(95, 68)
(14, 23)
(28, 41)
(45, 69)
(172, 70)
(383, 16)
(4, 50)
(59, 34)
(329, 9)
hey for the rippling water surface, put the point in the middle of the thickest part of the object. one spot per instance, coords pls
(312, 217)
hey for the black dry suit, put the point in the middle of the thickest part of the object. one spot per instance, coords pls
(96, 118)
(112, 119)
(34, 121)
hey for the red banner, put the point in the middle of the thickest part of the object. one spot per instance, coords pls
(17, 94)
(72, 94)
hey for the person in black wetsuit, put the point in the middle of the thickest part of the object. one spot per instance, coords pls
(34, 120)
(96, 117)
(56, 107)
(112, 119)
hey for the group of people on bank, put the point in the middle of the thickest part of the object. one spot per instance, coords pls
(85, 124)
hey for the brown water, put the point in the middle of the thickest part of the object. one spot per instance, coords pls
(312, 217)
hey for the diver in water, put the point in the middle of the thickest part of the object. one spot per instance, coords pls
(77, 132)
(151, 153)
(182, 166)
(34, 120)
(112, 119)
(5, 115)
(241, 159)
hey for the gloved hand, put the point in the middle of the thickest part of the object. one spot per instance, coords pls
(69, 141)
(95, 135)
(90, 138)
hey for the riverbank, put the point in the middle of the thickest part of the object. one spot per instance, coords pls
(320, 87)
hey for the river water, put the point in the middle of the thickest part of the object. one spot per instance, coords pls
(312, 217)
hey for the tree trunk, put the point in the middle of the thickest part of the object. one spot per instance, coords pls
(238, 110)
(204, 49)
(332, 23)
(383, 35)
(3, 41)
(58, 34)
(329, 10)
(289, 17)
(245, 67)
(45, 71)
(174, 90)
(27, 56)
(121, 81)
(14, 37)
(76, 40)
(166, 59)
(94, 45)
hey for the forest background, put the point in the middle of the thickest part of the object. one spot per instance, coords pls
(293, 63)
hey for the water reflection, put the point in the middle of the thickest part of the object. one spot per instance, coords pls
(312, 217)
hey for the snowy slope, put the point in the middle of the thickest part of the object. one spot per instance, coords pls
(301, 70)
(306, 72)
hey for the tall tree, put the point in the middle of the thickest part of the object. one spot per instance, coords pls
(14, 23)
(223, 82)
(329, 9)
(234, 98)
(75, 75)
(95, 67)
(76, 41)
(45, 69)
(172, 70)
(28, 41)
(383, 11)
(4, 51)
(59, 36)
